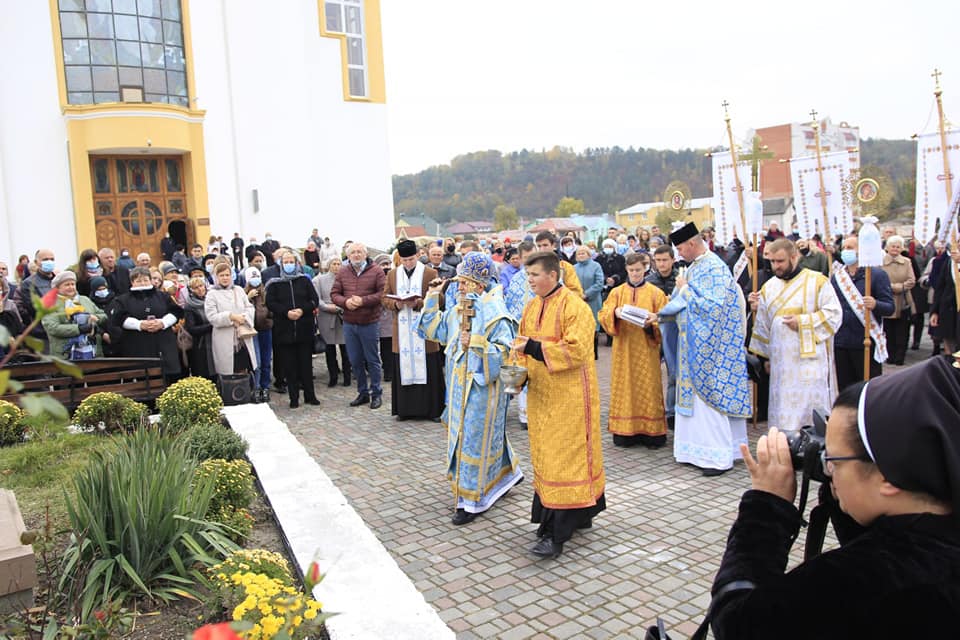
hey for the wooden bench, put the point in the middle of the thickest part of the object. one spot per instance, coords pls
(140, 379)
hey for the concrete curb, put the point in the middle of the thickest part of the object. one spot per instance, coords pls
(374, 598)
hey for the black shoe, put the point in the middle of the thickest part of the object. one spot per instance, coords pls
(586, 525)
(462, 517)
(400, 418)
(279, 387)
(711, 473)
(915, 346)
(359, 400)
(437, 419)
(313, 401)
(376, 402)
(671, 423)
(523, 425)
(388, 378)
(333, 380)
(294, 404)
(346, 380)
(547, 548)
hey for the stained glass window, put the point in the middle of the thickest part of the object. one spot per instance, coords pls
(107, 45)
(101, 176)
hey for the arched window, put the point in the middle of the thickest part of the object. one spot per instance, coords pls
(114, 46)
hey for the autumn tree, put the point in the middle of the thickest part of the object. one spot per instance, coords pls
(569, 206)
(505, 217)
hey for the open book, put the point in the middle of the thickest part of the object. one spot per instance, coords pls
(409, 296)
(635, 315)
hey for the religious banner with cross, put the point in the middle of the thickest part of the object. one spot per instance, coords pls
(809, 201)
(933, 206)
(726, 205)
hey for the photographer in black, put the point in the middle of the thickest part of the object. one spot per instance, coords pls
(893, 457)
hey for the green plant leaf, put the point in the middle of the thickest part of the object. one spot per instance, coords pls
(53, 406)
(15, 386)
(34, 343)
(66, 367)
(32, 404)
(5, 336)
(122, 561)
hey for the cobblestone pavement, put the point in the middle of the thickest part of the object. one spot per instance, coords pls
(654, 551)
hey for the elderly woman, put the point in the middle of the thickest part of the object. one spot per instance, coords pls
(73, 329)
(590, 274)
(893, 465)
(145, 317)
(311, 257)
(200, 356)
(263, 323)
(902, 280)
(230, 312)
(330, 325)
(292, 300)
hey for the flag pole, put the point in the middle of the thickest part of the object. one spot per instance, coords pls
(823, 186)
(739, 187)
(948, 177)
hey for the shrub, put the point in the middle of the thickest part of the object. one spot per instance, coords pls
(45, 427)
(187, 403)
(238, 523)
(274, 607)
(207, 441)
(232, 482)
(138, 528)
(109, 413)
(12, 426)
(273, 565)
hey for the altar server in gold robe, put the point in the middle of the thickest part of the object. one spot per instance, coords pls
(563, 407)
(637, 413)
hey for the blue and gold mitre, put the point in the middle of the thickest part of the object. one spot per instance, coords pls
(476, 266)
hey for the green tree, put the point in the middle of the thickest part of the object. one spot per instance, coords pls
(505, 217)
(665, 218)
(569, 206)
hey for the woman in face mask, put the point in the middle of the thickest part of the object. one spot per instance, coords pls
(263, 323)
(88, 266)
(590, 274)
(231, 313)
(568, 250)
(73, 328)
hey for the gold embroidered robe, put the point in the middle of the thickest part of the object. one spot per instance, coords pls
(636, 391)
(563, 402)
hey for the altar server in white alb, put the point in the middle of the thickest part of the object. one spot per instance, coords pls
(797, 315)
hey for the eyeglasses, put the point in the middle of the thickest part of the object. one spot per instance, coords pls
(827, 461)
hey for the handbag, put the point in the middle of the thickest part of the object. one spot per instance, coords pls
(245, 331)
(235, 388)
(319, 344)
(184, 339)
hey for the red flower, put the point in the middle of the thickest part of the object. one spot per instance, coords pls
(221, 631)
(313, 576)
(99, 615)
(49, 299)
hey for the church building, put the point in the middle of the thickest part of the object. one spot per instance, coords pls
(124, 120)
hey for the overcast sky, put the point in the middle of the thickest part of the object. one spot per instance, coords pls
(465, 75)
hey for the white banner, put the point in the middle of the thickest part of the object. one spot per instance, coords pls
(807, 198)
(932, 205)
(726, 205)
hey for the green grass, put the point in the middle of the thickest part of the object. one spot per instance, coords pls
(38, 472)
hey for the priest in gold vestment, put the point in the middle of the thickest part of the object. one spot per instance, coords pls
(637, 414)
(563, 407)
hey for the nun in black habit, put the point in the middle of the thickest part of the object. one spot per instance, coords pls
(893, 452)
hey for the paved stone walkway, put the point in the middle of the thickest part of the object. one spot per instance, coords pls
(654, 551)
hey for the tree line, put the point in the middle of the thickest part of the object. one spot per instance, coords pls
(533, 183)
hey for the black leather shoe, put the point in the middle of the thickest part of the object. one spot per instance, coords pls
(359, 400)
(376, 402)
(294, 404)
(313, 401)
(279, 388)
(523, 425)
(333, 380)
(711, 473)
(462, 517)
(346, 380)
(547, 548)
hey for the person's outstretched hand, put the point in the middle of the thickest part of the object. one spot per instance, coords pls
(772, 470)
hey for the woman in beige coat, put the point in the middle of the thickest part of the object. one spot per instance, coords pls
(228, 309)
(902, 279)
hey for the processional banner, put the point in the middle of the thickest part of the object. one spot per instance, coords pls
(726, 204)
(808, 201)
(934, 212)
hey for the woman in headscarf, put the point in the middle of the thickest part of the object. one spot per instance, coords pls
(893, 458)
(145, 316)
(292, 300)
(200, 356)
(230, 312)
(263, 323)
(330, 325)
(73, 329)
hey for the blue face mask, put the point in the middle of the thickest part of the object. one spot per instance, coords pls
(209, 268)
(848, 256)
(93, 266)
(101, 293)
(254, 282)
(289, 267)
(47, 266)
(608, 251)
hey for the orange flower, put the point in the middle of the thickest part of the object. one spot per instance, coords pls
(222, 631)
(49, 299)
(313, 576)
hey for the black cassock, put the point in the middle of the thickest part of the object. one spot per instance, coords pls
(141, 305)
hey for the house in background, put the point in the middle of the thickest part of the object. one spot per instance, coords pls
(124, 120)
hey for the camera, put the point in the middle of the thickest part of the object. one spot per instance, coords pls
(806, 445)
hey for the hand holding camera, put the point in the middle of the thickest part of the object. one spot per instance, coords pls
(772, 469)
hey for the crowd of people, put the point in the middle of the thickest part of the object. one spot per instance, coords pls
(438, 320)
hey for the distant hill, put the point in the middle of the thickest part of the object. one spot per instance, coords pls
(472, 185)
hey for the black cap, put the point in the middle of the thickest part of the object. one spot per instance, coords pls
(407, 248)
(684, 233)
(909, 422)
